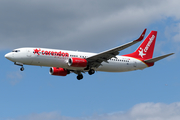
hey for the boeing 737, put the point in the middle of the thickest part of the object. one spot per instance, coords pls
(64, 62)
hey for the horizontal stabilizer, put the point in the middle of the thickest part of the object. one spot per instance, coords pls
(157, 58)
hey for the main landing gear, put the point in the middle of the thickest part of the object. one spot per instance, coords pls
(80, 76)
(91, 71)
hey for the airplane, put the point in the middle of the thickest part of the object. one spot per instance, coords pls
(64, 62)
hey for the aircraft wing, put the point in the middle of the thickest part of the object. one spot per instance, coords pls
(96, 60)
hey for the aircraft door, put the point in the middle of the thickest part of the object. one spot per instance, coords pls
(135, 64)
(28, 53)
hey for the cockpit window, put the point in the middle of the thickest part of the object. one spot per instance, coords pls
(16, 51)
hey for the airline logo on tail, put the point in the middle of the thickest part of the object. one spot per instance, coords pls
(147, 47)
(141, 52)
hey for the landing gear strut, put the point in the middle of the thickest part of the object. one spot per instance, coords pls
(20, 64)
(80, 76)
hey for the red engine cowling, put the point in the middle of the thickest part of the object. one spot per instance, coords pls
(77, 62)
(58, 71)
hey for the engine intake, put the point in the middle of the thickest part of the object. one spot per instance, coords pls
(77, 62)
(58, 71)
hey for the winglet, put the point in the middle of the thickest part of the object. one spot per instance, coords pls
(142, 35)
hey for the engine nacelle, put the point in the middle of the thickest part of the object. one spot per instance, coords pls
(58, 71)
(77, 62)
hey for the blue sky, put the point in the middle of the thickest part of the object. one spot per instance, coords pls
(34, 94)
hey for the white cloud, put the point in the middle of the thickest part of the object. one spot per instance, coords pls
(14, 77)
(78, 24)
(176, 29)
(143, 111)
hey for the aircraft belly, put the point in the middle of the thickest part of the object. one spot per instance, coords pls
(139, 65)
(115, 67)
(122, 67)
(49, 61)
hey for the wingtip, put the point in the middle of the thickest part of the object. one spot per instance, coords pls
(171, 53)
(142, 35)
(144, 31)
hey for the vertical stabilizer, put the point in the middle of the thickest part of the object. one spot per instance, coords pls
(146, 49)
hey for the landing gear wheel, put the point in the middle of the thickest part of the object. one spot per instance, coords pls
(22, 68)
(79, 77)
(91, 71)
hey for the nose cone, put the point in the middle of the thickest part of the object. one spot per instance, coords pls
(8, 56)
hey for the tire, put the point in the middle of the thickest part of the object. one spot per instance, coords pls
(91, 71)
(79, 77)
(22, 68)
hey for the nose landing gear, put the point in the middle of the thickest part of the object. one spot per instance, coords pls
(22, 68)
(20, 64)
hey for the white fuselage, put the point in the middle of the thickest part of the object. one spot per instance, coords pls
(58, 58)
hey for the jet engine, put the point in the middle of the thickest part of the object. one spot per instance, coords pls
(77, 62)
(58, 71)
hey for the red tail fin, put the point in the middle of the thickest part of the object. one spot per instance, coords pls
(146, 49)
